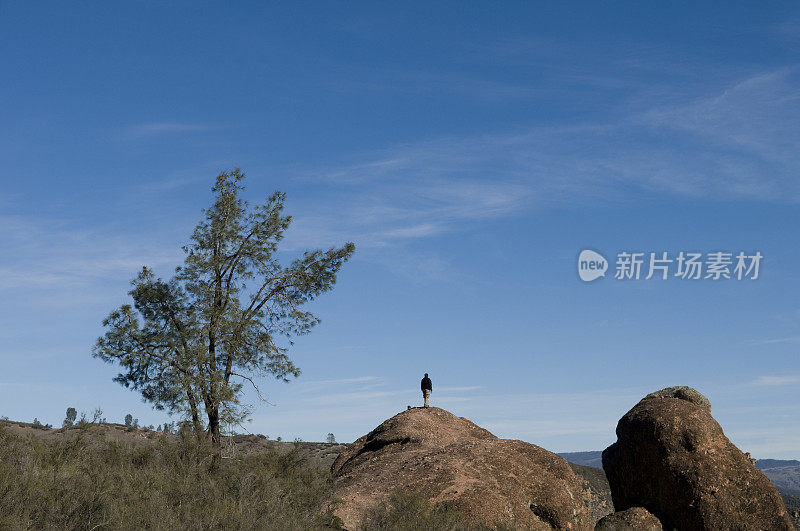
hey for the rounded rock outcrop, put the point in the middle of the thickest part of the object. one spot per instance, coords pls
(672, 458)
(448, 459)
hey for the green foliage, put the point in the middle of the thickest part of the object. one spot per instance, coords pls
(39, 426)
(330, 439)
(83, 481)
(131, 423)
(191, 343)
(409, 511)
(71, 415)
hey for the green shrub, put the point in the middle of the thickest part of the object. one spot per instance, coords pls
(39, 426)
(411, 512)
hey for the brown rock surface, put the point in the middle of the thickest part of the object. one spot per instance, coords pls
(684, 393)
(446, 458)
(635, 518)
(673, 458)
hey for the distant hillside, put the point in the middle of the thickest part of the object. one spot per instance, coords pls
(593, 459)
(784, 473)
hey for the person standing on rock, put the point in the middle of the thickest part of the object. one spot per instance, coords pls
(427, 389)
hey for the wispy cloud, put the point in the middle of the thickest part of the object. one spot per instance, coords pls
(791, 339)
(460, 389)
(167, 184)
(773, 381)
(415, 82)
(345, 381)
(401, 205)
(54, 254)
(414, 231)
(152, 129)
(737, 144)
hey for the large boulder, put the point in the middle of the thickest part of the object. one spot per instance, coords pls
(635, 518)
(443, 458)
(672, 458)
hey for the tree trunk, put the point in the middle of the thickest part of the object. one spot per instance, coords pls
(216, 442)
(198, 430)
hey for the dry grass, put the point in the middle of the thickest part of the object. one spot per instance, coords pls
(88, 482)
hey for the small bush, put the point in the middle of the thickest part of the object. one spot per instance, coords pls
(39, 426)
(409, 511)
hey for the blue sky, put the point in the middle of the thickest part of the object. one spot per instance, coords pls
(471, 151)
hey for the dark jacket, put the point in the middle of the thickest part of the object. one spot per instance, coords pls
(426, 384)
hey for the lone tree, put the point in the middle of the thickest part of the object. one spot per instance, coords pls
(72, 414)
(190, 344)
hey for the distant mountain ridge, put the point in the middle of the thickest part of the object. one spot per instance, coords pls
(784, 473)
(764, 464)
(592, 458)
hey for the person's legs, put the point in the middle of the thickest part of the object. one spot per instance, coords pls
(427, 394)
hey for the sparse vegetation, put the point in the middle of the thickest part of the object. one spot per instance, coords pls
(80, 481)
(409, 511)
